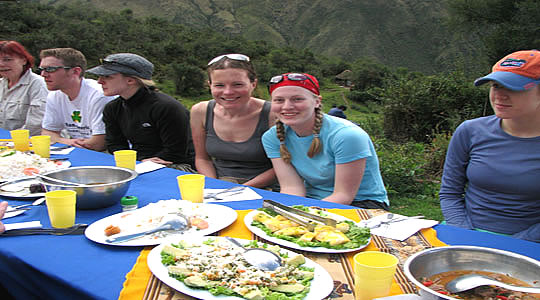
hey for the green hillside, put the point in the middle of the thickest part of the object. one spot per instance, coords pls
(400, 33)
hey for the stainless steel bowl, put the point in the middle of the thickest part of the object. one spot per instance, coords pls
(102, 186)
(442, 259)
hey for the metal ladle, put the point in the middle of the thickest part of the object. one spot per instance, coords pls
(471, 281)
(258, 257)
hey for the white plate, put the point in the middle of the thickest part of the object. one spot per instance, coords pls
(25, 182)
(23, 162)
(218, 217)
(259, 232)
(20, 183)
(321, 285)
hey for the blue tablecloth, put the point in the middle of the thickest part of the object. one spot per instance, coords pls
(73, 267)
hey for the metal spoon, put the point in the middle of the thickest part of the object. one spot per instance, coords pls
(470, 281)
(179, 224)
(258, 257)
(58, 180)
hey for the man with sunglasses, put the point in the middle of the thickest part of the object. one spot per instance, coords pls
(74, 109)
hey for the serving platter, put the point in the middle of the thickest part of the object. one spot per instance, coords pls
(321, 285)
(248, 220)
(154, 214)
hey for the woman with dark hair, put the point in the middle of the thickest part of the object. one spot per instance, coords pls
(227, 130)
(316, 155)
(22, 93)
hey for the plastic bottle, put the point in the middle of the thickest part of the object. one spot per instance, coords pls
(129, 203)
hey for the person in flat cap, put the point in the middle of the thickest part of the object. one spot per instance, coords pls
(74, 107)
(492, 167)
(316, 155)
(141, 118)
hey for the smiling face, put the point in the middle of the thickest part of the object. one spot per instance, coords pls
(295, 107)
(231, 87)
(11, 66)
(509, 104)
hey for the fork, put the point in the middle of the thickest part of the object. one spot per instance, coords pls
(179, 224)
(231, 191)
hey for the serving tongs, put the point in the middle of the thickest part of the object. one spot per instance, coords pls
(297, 215)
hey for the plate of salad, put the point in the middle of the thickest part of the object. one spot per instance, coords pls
(213, 268)
(347, 236)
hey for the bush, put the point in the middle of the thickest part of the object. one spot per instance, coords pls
(423, 106)
(402, 166)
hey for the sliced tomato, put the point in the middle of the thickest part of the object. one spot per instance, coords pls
(427, 282)
(30, 171)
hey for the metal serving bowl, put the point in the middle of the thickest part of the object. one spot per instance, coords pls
(101, 186)
(433, 261)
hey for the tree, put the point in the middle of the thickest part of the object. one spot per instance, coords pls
(503, 26)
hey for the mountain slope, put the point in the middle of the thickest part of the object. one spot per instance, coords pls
(399, 33)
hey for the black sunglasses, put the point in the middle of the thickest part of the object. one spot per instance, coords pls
(105, 61)
(52, 69)
(293, 77)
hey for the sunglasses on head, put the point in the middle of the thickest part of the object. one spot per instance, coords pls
(52, 69)
(293, 77)
(240, 57)
(105, 61)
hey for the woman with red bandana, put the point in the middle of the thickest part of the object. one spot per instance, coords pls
(317, 155)
(227, 130)
(22, 93)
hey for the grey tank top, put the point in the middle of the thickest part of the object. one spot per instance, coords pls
(244, 159)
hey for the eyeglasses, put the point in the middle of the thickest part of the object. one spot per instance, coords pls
(293, 77)
(52, 69)
(240, 57)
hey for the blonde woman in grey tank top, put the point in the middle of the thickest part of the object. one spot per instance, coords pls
(227, 130)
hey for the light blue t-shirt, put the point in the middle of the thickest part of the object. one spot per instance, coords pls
(342, 142)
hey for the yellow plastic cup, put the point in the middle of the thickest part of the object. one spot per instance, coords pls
(41, 145)
(373, 274)
(61, 207)
(20, 139)
(125, 158)
(191, 187)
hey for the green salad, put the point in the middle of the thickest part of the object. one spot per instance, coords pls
(216, 265)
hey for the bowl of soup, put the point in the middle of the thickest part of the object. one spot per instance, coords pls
(432, 268)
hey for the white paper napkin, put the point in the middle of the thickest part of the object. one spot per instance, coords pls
(23, 225)
(147, 166)
(245, 194)
(399, 230)
(61, 151)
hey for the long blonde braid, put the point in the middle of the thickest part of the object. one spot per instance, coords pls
(314, 148)
(316, 145)
(283, 151)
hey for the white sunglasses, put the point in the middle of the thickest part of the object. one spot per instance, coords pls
(240, 57)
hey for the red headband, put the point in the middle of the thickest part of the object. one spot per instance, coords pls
(303, 80)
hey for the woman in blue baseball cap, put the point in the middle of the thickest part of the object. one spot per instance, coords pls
(492, 167)
(143, 119)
